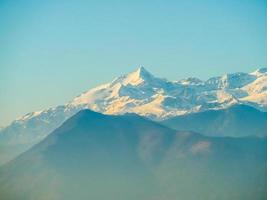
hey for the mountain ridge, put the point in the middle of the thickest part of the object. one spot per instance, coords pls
(97, 156)
(142, 93)
(236, 121)
(135, 78)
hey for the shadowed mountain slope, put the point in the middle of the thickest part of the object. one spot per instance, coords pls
(236, 121)
(96, 156)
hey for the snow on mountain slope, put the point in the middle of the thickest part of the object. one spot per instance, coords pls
(142, 93)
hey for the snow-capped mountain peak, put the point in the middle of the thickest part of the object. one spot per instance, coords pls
(135, 78)
(142, 93)
(127, 93)
(142, 73)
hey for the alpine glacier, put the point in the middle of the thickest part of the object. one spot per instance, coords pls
(142, 93)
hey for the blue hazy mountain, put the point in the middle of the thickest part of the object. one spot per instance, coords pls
(236, 121)
(96, 156)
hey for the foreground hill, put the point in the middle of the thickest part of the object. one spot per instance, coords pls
(142, 93)
(96, 156)
(236, 121)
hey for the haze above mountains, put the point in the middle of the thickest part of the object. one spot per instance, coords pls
(158, 99)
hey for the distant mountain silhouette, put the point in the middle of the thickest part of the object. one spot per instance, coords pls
(236, 121)
(96, 156)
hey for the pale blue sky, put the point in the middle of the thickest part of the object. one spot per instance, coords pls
(50, 51)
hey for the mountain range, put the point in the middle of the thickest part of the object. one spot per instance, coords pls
(142, 93)
(236, 121)
(96, 156)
